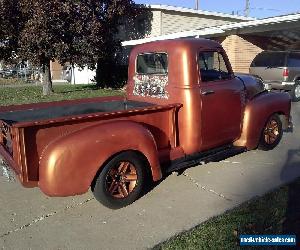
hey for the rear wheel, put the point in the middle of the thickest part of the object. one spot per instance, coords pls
(121, 181)
(271, 134)
(295, 92)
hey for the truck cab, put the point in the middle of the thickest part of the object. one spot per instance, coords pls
(198, 74)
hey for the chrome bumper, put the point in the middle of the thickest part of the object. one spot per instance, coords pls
(279, 85)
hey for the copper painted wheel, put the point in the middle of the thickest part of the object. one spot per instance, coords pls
(271, 134)
(121, 180)
(271, 131)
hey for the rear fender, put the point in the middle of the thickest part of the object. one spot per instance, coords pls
(69, 164)
(257, 112)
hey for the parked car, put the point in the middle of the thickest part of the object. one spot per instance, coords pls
(183, 106)
(11, 72)
(279, 70)
(15, 72)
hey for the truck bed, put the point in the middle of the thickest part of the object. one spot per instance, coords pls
(35, 126)
(38, 113)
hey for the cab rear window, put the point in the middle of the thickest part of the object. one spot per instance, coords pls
(152, 63)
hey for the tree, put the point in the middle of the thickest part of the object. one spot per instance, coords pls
(38, 31)
(81, 32)
(55, 30)
(11, 22)
(110, 72)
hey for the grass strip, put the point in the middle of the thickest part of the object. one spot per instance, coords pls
(277, 212)
(33, 94)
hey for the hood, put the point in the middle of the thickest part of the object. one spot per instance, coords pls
(253, 84)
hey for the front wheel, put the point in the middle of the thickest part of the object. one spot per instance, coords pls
(271, 134)
(121, 180)
(295, 92)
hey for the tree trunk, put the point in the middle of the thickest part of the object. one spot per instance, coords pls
(47, 81)
(99, 77)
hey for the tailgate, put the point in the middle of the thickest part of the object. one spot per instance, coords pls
(6, 147)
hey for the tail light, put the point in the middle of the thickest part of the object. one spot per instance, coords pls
(285, 73)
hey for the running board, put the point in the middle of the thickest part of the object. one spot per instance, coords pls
(204, 157)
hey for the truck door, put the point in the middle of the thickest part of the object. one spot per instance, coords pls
(222, 99)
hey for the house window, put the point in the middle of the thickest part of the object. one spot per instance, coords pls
(141, 25)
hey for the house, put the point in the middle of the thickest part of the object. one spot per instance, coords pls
(169, 19)
(164, 20)
(243, 40)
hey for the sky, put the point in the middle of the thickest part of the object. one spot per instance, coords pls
(258, 8)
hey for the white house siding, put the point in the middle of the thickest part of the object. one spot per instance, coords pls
(173, 22)
(82, 76)
(156, 24)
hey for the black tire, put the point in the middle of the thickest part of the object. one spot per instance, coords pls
(271, 133)
(111, 185)
(295, 92)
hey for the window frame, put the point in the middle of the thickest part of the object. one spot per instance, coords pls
(152, 74)
(226, 61)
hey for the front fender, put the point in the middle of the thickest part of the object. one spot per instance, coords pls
(69, 164)
(257, 112)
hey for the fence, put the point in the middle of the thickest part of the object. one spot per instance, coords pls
(21, 74)
(10, 76)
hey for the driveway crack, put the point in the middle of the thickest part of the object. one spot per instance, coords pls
(43, 217)
(207, 189)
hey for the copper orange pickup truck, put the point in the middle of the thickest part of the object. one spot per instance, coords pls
(183, 106)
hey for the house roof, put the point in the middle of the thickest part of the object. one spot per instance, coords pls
(254, 23)
(200, 12)
(222, 29)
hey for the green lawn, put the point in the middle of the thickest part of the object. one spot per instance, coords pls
(275, 213)
(30, 94)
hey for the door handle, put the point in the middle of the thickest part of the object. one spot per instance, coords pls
(208, 92)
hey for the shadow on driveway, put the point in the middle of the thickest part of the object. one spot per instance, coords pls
(291, 224)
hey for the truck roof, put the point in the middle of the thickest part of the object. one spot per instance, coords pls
(183, 43)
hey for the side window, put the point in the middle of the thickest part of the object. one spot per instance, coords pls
(294, 60)
(212, 67)
(269, 60)
(152, 63)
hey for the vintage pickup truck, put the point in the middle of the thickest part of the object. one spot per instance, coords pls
(183, 106)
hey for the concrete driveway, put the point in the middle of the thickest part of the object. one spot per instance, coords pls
(30, 220)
